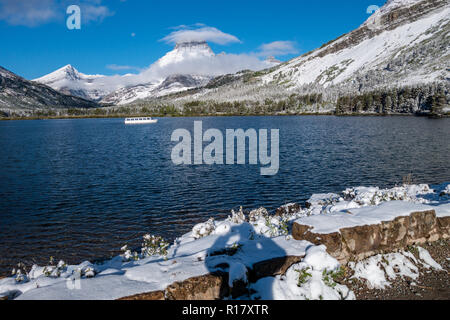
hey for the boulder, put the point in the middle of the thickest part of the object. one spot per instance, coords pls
(273, 267)
(360, 242)
(444, 226)
(212, 286)
(150, 296)
(215, 286)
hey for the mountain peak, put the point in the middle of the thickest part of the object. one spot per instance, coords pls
(189, 50)
(68, 72)
(191, 44)
(272, 60)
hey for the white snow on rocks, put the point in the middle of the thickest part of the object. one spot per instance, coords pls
(379, 269)
(239, 242)
(311, 279)
(368, 206)
(428, 260)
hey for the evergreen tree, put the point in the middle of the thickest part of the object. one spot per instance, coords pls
(438, 103)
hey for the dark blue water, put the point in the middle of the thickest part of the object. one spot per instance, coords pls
(80, 189)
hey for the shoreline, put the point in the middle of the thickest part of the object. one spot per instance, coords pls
(210, 251)
(325, 114)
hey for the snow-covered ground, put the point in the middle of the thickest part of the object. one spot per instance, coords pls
(239, 242)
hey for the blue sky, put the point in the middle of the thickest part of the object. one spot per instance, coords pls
(35, 39)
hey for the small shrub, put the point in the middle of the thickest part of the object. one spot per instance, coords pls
(154, 245)
(303, 276)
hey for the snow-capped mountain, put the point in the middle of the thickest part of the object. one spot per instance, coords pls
(169, 81)
(17, 93)
(189, 65)
(404, 43)
(172, 84)
(69, 80)
(186, 51)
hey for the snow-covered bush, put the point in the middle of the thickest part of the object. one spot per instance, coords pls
(128, 255)
(154, 245)
(151, 246)
(52, 270)
(203, 229)
(237, 217)
(88, 272)
(20, 274)
(277, 226)
(256, 214)
(373, 196)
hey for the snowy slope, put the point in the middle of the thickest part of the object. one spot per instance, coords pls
(374, 46)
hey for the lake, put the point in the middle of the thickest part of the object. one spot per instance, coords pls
(81, 189)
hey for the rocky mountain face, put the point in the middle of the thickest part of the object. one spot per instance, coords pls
(17, 93)
(404, 44)
(171, 84)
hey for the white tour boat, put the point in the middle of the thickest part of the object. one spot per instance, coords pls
(140, 120)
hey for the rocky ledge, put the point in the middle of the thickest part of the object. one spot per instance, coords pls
(215, 286)
(359, 242)
(347, 245)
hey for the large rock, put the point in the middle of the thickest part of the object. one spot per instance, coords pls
(215, 286)
(273, 267)
(208, 287)
(444, 226)
(150, 296)
(359, 242)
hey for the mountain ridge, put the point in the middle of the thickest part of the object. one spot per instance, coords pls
(17, 93)
(408, 46)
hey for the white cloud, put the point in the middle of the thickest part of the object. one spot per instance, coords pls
(199, 65)
(120, 67)
(32, 13)
(211, 66)
(199, 32)
(278, 48)
(27, 13)
(203, 66)
(94, 12)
